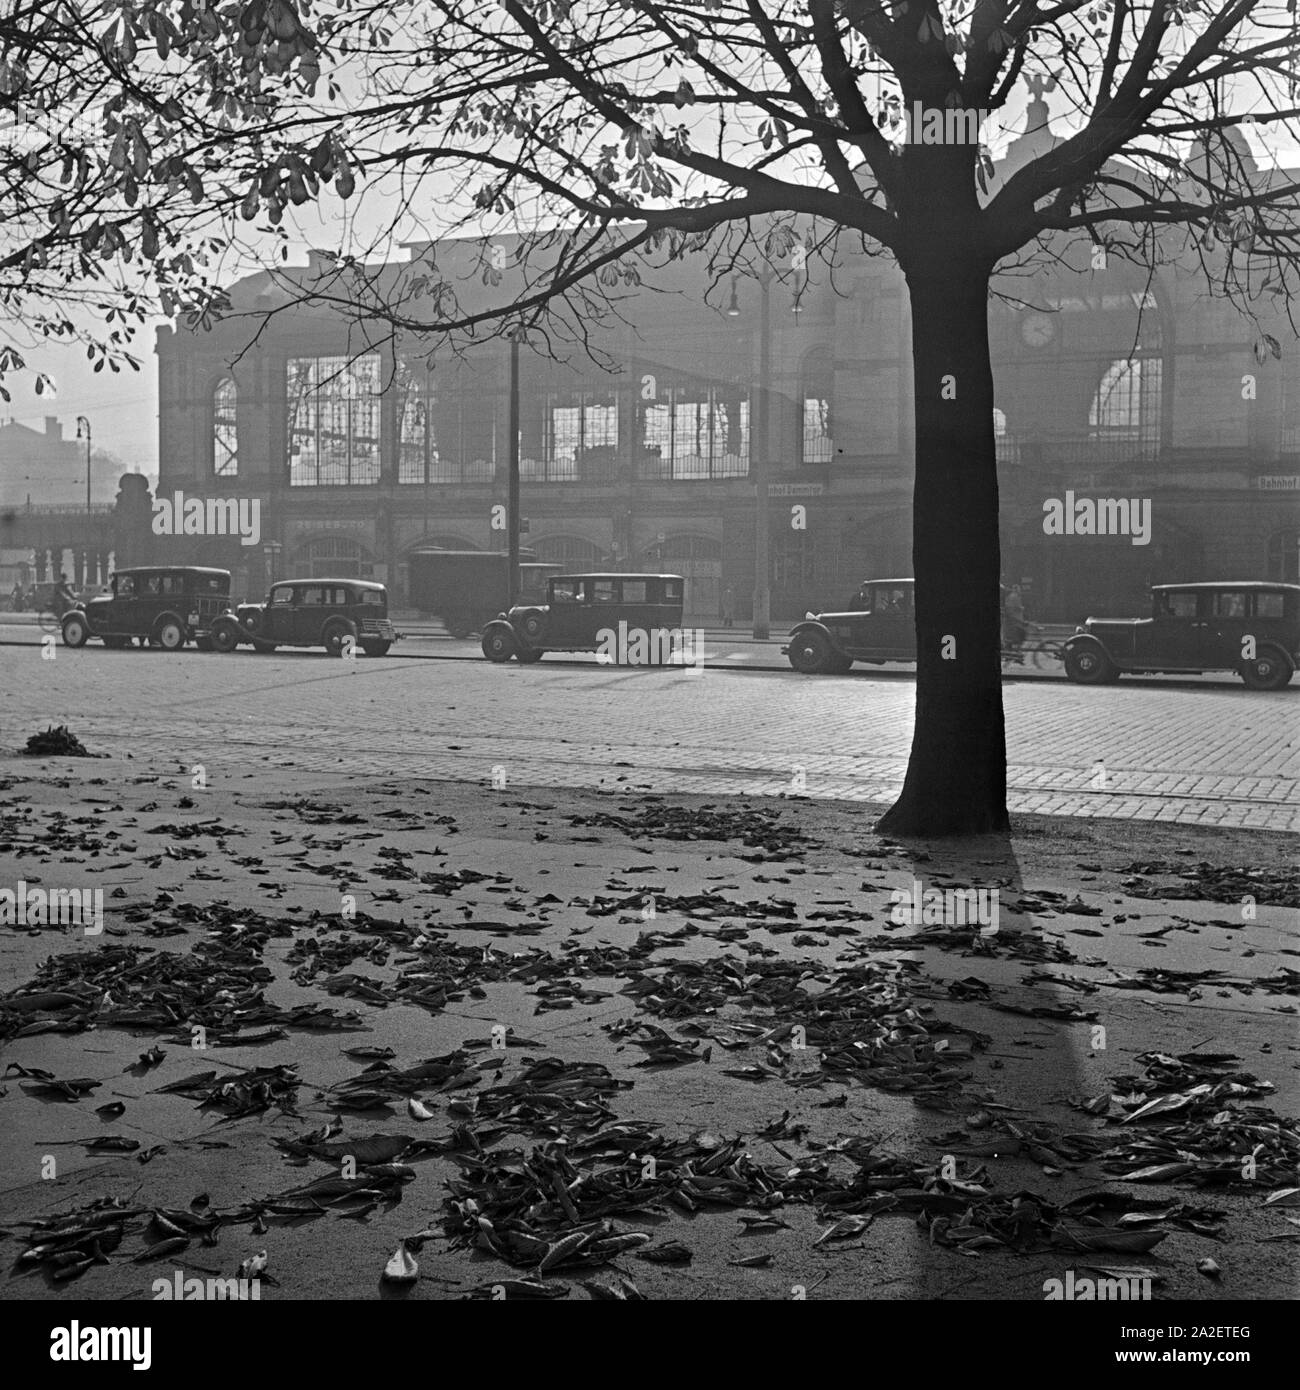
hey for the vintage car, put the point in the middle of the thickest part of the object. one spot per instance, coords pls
(311, 613)
(1251, 627)
(613, 614)
(162, 605)
(878, 625)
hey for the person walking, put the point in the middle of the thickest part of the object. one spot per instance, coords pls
(1013, 621)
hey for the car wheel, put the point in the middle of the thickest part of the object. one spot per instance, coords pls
(499, 644)
(526, 656)
(532, 623)
(1089, 665)
(336, 630)
(810, 652)
(170, 635)
(75, 631)
(225, 636)
(1268, 671)
(373, 648)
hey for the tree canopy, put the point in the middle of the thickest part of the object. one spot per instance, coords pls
(154, 145)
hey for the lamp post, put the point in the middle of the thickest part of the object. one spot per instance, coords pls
(512, 485)
(84, 424)
(758, 449)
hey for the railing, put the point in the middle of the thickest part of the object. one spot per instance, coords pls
(66, 509)
(694, 468)
(1080, 452)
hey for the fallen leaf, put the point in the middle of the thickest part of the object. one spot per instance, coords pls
(403, 1267)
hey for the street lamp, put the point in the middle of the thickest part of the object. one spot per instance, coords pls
(759, 446)
(83, 423)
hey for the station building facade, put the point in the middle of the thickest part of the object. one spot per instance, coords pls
(643, 437)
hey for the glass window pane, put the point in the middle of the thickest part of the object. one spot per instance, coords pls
(225, 429)
(333, 408)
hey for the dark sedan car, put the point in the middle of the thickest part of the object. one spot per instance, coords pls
(879, 625)
(1251, 627)
(312, 613)
(627, 618)
(165, 606)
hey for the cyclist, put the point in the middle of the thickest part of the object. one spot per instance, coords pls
(63, 597)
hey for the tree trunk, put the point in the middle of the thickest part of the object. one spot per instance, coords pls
(956, 776)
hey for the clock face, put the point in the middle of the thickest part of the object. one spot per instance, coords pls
(1037, 330)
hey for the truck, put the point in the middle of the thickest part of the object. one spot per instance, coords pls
(466, 589)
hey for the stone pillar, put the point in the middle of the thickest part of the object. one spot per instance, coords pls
(79, 567)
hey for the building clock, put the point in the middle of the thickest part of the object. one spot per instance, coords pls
(1037, 330)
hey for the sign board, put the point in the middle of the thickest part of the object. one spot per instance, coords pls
(1278, 482)
(795, 489)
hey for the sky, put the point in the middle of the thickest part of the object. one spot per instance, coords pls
(123, 408)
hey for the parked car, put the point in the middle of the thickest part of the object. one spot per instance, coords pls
(582, 610)
(466, 589)
(878, 625)
(311, 613)
(164, 606)
(1251, 627)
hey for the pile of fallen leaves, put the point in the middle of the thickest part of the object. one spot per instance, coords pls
(1213, 1141)
(244, 1093)
(219, 985)
(58, 742)
(1219, 883)
(654, 819)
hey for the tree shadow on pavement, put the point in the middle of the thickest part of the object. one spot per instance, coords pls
(1031, 1064)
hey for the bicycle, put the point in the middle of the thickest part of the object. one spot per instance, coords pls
(1033, 649)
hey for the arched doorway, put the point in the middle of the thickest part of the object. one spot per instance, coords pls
(333, 556)
(698, 559)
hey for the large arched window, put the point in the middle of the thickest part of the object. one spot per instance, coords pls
(225, 428)
(1284, 557)
(334, 557)
(817, 381)
(1126, 407)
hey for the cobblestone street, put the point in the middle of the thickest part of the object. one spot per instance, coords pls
(1206, 754)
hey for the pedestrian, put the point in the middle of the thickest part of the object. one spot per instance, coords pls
(728, 608)
(1013, 620)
